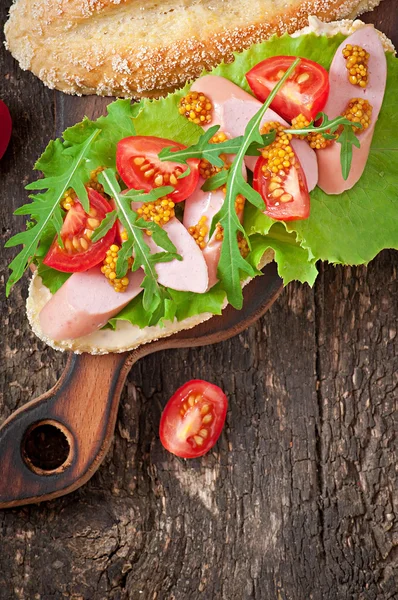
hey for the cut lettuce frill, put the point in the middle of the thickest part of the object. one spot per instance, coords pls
(350, 228)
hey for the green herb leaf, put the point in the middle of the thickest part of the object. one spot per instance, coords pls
(203, 149)
(159, 236)
(151, 196)
(136, 244)
(215, 181)
(57, 185)
(106, 224)
(231, 262)
(347, 139)
(45, 208)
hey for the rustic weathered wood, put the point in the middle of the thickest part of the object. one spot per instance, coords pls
(81, 408)
(298, 499)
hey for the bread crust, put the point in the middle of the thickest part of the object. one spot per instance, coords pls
(129, 49)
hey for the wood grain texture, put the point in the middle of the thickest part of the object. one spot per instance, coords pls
(83, 405)
(298, 501)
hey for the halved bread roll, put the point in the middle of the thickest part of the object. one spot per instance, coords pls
(131, 48)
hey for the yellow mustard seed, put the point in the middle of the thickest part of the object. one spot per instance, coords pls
(196, 107)
(356, 64)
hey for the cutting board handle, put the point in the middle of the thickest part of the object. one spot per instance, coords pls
(53, 444)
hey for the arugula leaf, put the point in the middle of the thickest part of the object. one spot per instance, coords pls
(45, 208)
(231, 262)
(106, 224)
(73, 177)
(339, 129)
(151, 196)
(347, 139)
(204, 149)
(136, 244)
(215, 181)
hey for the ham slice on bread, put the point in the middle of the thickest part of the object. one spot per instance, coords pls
(186, 275)
(85, 303)
(341, 92)
(206, 204)
(233, 109)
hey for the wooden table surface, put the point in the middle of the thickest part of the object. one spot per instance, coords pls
(297, 500)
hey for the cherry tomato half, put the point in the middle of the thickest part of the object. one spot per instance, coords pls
(193, 419)
(305, 92)
(140, 168)
(5, 127)
(294, 203)
(79, 252)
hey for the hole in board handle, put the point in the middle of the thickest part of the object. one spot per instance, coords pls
(47, 447)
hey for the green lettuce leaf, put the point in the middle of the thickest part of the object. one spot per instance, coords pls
(294, 262)
(181, 306)
(52, 278)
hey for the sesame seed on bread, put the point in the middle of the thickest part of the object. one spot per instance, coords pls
(130, 48)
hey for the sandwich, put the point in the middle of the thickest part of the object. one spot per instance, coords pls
(151, 219)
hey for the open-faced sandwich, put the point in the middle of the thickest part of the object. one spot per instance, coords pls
(150, 219)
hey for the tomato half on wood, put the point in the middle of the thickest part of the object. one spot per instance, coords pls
(305, 92)
(5, 127)
(141, 169)
(79, 252)
(285, 194)
(193, 419)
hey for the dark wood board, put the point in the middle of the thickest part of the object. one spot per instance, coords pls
(298, 501)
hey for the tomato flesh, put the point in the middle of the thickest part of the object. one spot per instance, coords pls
(5, 128)
(79, 252)
(306, 91)
(293, 183)
(141, 169)
(193, 419)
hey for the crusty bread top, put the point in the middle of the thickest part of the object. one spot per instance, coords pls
(134, 48)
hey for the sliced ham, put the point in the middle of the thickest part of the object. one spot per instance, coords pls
(205, 204)
(341, 92)
(233, 109)
(85, 303)
(186, 275)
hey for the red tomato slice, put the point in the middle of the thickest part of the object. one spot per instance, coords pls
(5, 127)
(306, 91)
(79, 253)
(293, 184)
(193, 419)
(140, 168)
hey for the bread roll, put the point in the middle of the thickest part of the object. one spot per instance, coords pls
(132, 48)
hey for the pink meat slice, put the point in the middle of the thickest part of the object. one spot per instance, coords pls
(186, 275)
(341, 92)
(233, 109)
(85, 303)
(205, 204)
